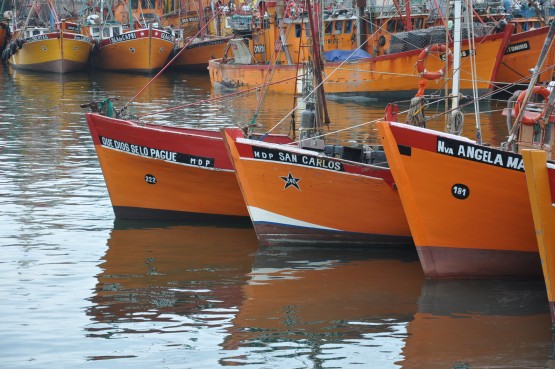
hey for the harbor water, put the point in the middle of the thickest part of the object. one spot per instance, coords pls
(80, 289)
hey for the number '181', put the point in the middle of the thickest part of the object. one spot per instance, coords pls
(460, 191)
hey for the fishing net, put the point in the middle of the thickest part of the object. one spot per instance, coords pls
(419, 39)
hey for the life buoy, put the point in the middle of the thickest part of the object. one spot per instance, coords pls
(533, 118)
(421, 67)
(293, 10)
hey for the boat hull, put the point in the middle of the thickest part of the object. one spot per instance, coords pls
(540, 178)
(387, 76)
(467, 205)
(298, 197)
(163, 173)
(520, 56)
(143, 50)
(195, 57)
(52, 53)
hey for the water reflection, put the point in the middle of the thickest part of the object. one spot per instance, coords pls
(480, 324)
(322, 307)
(172, 278)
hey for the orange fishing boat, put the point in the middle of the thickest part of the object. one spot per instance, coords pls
(60, 50)
(388, 24)
(395, 71)
(383, 76)
(140, 50)
(540, 178)
(196, 53)
(299, 196)
(308, 193)
(520, 56)
(160, 172)
(193, 52)
(466, 202)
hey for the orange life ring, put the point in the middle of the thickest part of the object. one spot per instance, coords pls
(532, 119)
(420, 64)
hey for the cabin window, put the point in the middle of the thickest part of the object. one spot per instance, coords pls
(329, 26)
(307, 30)
(418, 22)
(400, 27)
(338, 27)
(95, 31)
(145, 4)
(117, 31)
(348, 26)
(391, 26)
(106, 32)
(36, 32)
(298, 30)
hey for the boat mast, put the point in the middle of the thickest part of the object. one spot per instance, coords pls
(454, 121)
(318, 63)
(131, 15)
(280, 12)
(201, 19)
(406, 15)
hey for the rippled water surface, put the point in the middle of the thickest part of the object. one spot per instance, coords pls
(81, 290)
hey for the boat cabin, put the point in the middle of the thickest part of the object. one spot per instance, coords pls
(106, 30)
(35, 31)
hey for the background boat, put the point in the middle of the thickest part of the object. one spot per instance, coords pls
(61, 49)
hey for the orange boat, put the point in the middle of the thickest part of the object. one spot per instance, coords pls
(397, 70)
(193, 51)
(540, 178)
(160, 172)
(466, 204)
(526, 41)
(383, 76)
(299, 196)
(43, 49)
(141, 50)
(520, 56)
(196, 54)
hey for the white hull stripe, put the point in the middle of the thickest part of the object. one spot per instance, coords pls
(262, 216)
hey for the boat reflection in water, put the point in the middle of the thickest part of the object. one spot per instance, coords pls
(480, 324)
(177, 280)
(306, 306)
(210, 297)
